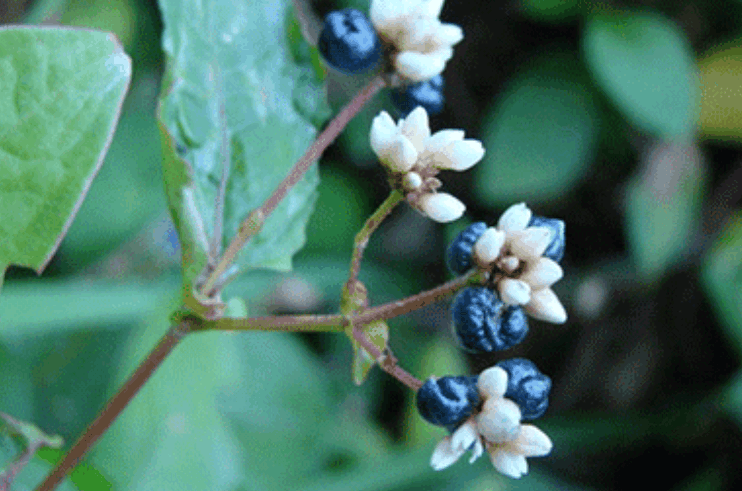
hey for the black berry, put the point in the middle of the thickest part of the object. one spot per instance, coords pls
(458, 256)
(428, 94)
(555, 250)
(484, 323)
(349, 42)
(527, 387)
(447, 401)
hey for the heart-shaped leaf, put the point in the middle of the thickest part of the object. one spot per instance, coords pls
(61, 91)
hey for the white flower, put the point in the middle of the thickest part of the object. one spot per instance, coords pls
(497, 428)
(423, 44)
(515, 250)
(413, 157)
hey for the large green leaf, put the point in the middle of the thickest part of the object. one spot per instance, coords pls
(236, 113)
(541, 135)
(645, 64)
(663, 206)
(60, 95)
(721, 99)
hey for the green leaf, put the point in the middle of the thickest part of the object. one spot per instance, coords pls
(237, 111)
(553, 10)
(541, 135)
(663, 206)
(721, 276)
(646, 66)
(60, 95)
(721, 100)
(225, 411)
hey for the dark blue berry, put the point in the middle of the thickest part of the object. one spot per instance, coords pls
(428, 94)
(527, 387)
(484, 323)
(447, 401)
(458, 256)
(349, 42)
(555, 250)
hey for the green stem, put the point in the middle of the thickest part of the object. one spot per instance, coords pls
(373, 222)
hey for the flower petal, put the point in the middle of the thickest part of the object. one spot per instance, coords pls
(542, 273)
(545, 306)
(477, 451)
(465, 436)
(430, 8)
(514, 292)
(445, 455)
(499, 420)
(441, 207)
(460, 155)
(448, 34)
(529, 243)
(515, 218)
(532, 442)
(383, 133)
(508, 463)
(492, 383)
(418, 67)
(417, 33)
(416, 128)
(388, 16)
(488, 246)
(402, 155)
(440, 140)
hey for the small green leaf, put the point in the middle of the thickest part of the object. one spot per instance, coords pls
(721, 276)
(353, 300)
(663, 206)
(238, 108)
(646, 66)
(61, 91)
(721, 99)
(541, 135)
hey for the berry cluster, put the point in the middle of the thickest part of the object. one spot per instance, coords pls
(416, 43)
(485, 413)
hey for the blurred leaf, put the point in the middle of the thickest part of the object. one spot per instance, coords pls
(645, 64)
(22, 470)
(236, 108)
(663, 206)
(42, 11)
(117, 16)
(721, 275)
(541, 135)
(440, 357)
(553, 10)
(225, 411)
(84, 476)
(61, 92)
(721, 99)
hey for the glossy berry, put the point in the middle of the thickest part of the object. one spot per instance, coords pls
(447, 401)
(484, 323)
(428, 94)
(349, 42)
(555, 250)
(527, 387)
(458, 256)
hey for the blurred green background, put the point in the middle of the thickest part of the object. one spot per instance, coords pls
(622, 118)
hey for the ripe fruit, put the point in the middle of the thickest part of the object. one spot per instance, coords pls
(349, 42)
(458, 256)
(527, 387)
(428, 94)
(447, 401)
(484, 323)
(555, 250)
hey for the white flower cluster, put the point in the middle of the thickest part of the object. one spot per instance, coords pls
(423, 44)
(497, 428)
(413, 156)
(516, 250)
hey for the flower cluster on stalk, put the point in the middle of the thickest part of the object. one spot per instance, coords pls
(413, 157)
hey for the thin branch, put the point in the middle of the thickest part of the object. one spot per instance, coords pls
(221, 196)
(386, 360)
(316, 323)
(251, 225)
(373, 222)
(117, 403)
